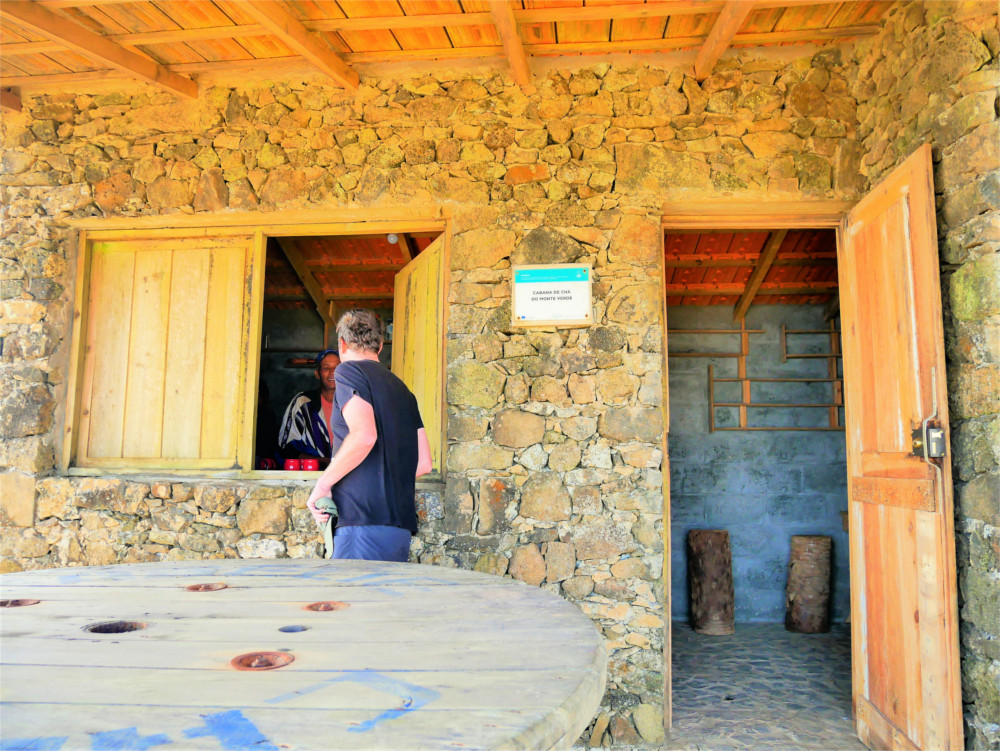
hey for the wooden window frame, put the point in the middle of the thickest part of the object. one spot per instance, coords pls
(300, 223)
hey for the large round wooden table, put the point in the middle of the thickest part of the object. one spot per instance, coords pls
(395, 656)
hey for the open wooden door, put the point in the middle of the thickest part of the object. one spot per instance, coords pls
(904, 609)
(418, 337)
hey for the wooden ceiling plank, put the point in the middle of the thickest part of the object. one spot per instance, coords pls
(324, 267)
(729, 22)
(760, 269)
(306, 277)
(770, 288)
(513, 47)
(9, 101)
(278, 19)
(94, 46)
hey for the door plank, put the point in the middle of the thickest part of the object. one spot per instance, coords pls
(219, 418)
(106, 368)
(185, 367)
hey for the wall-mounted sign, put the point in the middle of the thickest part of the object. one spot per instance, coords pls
(557, 295)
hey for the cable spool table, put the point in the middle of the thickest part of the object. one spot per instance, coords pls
(273, 655)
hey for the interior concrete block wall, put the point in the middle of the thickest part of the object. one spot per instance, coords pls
(761, 486)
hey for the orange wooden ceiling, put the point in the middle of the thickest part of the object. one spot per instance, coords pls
(712, 268)
(353, 271)
(198, 36)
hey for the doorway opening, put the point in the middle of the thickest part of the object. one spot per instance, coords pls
(309, 281)
(757, 449)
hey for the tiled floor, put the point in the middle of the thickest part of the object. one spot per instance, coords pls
(762, 688)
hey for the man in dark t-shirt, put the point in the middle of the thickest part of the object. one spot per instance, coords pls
(379, 449)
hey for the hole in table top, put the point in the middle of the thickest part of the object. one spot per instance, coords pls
(328, 605)
(18, 603)
(293, 629)
(213, 587)
(261, 660)
(115, 627)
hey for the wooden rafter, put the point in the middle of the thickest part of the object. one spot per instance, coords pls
(513, 46)
(278, 19)
(728, 23)
(730, 289)
(10, 101)
(272, 66)
(305, 276)
(407, 247)
(719, 262)
(760, 269)
(336, 268)
(44, 22)
(358, 295)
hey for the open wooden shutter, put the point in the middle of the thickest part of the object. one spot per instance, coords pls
(166, 353)
(418, 337)
(904, 608)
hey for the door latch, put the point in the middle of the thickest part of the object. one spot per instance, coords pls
(928, 442)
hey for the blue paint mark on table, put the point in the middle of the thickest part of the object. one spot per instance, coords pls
(234, 731)
(32, 744)
(126, 739)
(413, 697)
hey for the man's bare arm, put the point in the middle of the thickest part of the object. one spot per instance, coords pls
(424, 461)
(361, 436)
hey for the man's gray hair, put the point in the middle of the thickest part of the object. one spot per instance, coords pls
(361, 329)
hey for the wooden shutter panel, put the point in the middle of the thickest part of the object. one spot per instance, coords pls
(418, 337)
(166, 353)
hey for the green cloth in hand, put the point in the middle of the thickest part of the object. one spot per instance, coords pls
(327, 506)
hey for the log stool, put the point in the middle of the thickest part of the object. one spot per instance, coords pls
(710, 575)
(807, 601)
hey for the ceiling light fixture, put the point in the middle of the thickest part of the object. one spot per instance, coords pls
(392, 237)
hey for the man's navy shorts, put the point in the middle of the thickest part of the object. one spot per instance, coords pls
(372, 543)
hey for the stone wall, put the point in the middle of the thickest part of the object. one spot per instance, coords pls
(96, 521)
(932, 77)
(763, 487)
(554, 436)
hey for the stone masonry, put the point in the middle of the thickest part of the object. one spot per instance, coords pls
(554, 458)
(932, 76)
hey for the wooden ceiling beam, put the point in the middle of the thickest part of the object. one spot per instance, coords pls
(406, 246)
(277, 65)
(760, 269)
(357, 295)
(513, 45)
(305, 276)
(337, 268)
(721, 263)
(278, 19)
(9, 101)
(31, 15)
(771, 288)
(726, 26)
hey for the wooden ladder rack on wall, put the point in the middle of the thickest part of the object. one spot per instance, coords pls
(746, 402)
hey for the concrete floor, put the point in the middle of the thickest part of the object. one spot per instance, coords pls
(762, 688)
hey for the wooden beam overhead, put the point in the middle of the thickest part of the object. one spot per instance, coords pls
(728, 23)
(407, 247)
(720, 262)
(9, 101)
(39, 20)
(513, 46)
(366, 295)
(305, 276)
(760, 269)
(730, 289)
(337, 268)
(279, 20)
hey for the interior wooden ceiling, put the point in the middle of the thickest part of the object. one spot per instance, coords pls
(170, 43)
(734, 268)
(349, 271)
